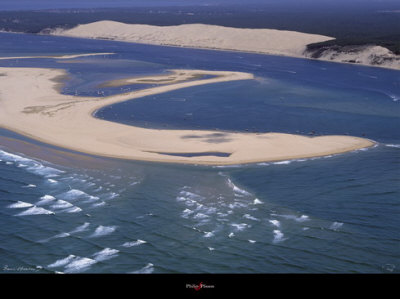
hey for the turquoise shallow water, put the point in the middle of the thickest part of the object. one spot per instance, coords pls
(332, 214)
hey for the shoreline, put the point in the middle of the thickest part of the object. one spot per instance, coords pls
(233, 51)
(368, 144)
(67, 121)
(303, 56)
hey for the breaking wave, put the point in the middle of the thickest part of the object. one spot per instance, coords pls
(20, 204)
(103, 231)
(149, 268)
(79, 264)
(105, 254)
(35, 211)
(278, 236)
(134, 243)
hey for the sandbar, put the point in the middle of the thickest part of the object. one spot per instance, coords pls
(69, 56)
(174, 76)
(31, 104)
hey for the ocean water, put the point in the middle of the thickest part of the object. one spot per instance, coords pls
(62, 211)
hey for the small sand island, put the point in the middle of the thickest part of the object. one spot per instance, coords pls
(31, 104)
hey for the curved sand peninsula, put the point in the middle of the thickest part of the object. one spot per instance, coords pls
(267, 41)
(30, 104)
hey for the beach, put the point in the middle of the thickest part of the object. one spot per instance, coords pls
(33, 106)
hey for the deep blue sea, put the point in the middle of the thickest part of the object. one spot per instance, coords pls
(61, 211)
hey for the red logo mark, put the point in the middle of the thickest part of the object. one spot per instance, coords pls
(199, 286)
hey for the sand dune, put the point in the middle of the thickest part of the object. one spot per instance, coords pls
(268, 41)
(30, 104)
(265, 41)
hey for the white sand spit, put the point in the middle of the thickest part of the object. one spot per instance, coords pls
(71, 56)
(30, 104)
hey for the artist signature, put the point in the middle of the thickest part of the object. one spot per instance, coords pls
(19, 269)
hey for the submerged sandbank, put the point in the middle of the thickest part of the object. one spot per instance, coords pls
(32, 106)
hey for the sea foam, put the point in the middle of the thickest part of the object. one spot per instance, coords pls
(208, 234)
(62, 262)
(200, 216)
(257, 202)
(240, 226)
(248, 216)
(336, 225)
(45, 171)
(20, 204)
(35, 211)
(29, 186)
(236, 189)
(275, 222)
(105, 254)
(393, 145)
(134, 243)
(79, 264)
(73, 194)
(61, 204)
(73, 209)
(46, 199)
(282, 162)
(278, 236)
(61, 235)
(186, 213)
(149, 268)
(103, 231)
(80, 228)
(302, 218)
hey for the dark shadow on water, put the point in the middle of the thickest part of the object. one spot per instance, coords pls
(215, 154)
(205, 136)
(210, 138)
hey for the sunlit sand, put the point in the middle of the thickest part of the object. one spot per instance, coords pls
(32, 105)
